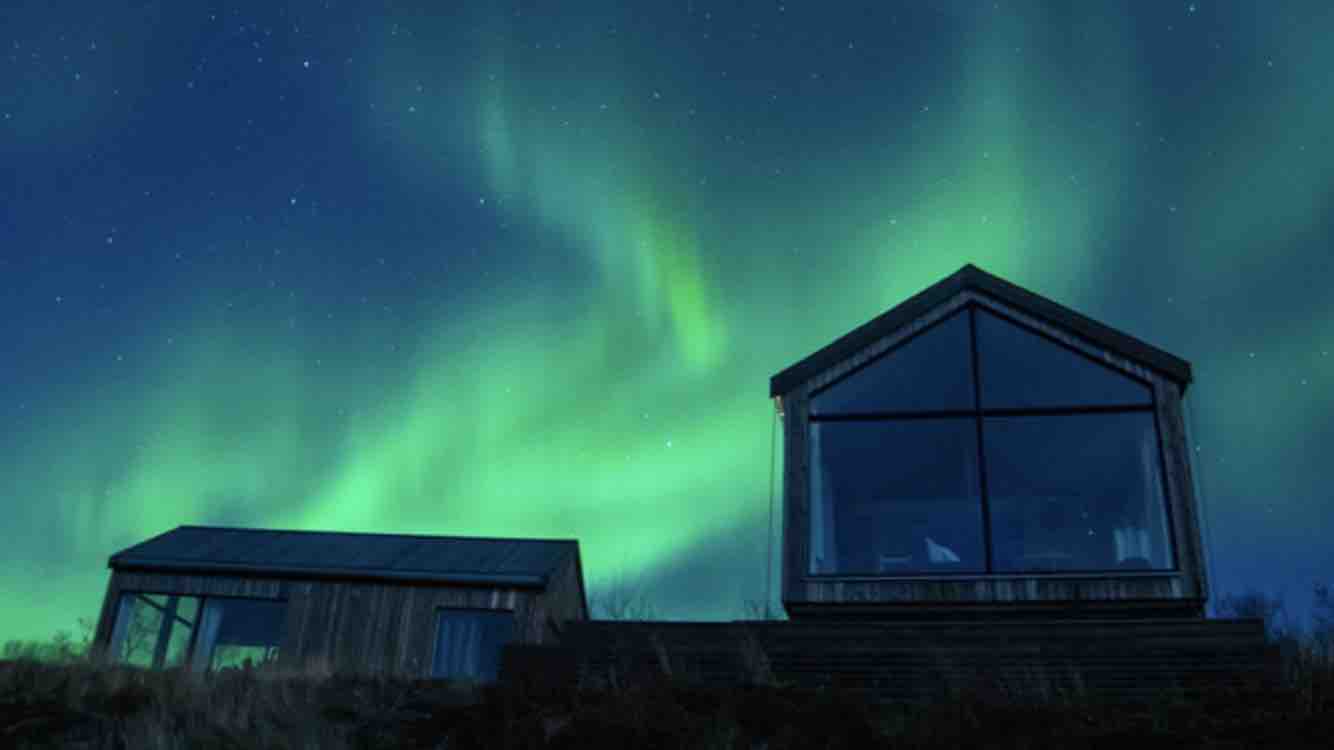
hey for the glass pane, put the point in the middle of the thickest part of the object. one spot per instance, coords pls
(468, 643)
(1022, 370)
(187, 610)
(1078, 492)
(895, 497)
(931, 372)
(152, 630)
(234, 631)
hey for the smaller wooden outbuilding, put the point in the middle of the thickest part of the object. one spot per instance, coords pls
(412, 606)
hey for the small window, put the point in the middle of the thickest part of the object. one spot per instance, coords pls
(167, 630)
(1022, 370)
(931, 372)
(468, 643)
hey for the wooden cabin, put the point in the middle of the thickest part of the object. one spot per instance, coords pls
(205, 598)
(980, 451)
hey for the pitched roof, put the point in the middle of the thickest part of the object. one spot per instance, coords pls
(974, 278)
(331, 554)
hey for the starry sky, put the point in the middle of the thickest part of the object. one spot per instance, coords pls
(524, 269)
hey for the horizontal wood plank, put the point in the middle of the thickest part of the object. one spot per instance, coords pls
(1129, 660)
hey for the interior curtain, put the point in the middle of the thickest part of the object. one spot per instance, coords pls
(458, 650)
(1133, 541)
(824, 531)
(210, 622)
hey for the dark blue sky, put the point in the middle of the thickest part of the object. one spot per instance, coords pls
(525, 269)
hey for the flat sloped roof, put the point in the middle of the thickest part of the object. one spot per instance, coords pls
(972, 277)
(337, 554)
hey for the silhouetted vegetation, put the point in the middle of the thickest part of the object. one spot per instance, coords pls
(51, 697)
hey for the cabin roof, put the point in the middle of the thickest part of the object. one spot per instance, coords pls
(337, 554)
(974, 278)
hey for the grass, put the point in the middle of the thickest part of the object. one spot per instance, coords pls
(51, 696)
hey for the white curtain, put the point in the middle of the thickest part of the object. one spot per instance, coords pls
(1133, 540)
(824, 554)
(207, 637)
(458, 646)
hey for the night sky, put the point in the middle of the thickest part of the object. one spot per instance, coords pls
(501, 269)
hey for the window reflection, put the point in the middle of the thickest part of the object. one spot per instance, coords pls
(153, 630)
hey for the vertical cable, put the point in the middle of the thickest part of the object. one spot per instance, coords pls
(769, 555)
(1198, 475)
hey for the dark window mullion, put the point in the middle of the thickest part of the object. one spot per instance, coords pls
(981, 460)
(885, 416)
(1044, 412)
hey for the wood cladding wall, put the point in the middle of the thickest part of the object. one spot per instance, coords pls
(562, 602)
(1186, 584)
(376, 628)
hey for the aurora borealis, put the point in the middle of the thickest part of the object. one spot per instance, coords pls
(524, 269)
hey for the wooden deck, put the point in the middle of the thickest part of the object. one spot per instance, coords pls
(1122, 660)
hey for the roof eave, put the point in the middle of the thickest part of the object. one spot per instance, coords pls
(174, 567)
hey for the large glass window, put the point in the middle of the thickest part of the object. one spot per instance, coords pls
(1071, 479)
(892, 497)
(1075, 492)
(468, 643)
(167, 630)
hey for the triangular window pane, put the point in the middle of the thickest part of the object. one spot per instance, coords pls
(1022, 370)
(931, 372)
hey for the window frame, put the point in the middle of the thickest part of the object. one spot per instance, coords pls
(979, 414)
(187, 659)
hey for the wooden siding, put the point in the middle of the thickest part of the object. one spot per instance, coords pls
(353, 626)
(1177, 455)
(1186, 585)
(562, 602)
(384, 628)
(887, 661)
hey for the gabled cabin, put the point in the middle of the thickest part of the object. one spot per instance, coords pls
(980, 451)
(205, 598)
